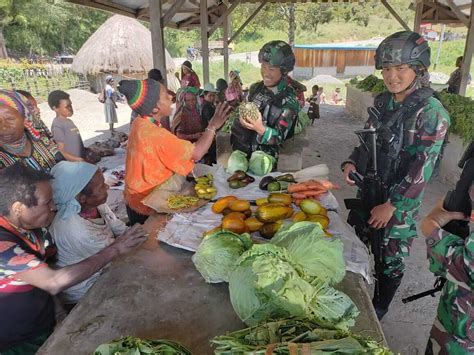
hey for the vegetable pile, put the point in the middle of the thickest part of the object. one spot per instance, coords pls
(205, 187)
(295, 336)
(136, 346)
(177, 202)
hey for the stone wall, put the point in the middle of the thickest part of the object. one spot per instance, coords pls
(357, 102)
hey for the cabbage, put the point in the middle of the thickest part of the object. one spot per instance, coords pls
(307, 244)
(237, 161)
(261, 163)
(267, 283)
(217, 254)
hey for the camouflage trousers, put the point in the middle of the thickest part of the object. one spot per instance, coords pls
(399, 235)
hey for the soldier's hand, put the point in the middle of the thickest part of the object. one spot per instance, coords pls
(347, 169)
(381, 215)
(256, 125)
(439, 217)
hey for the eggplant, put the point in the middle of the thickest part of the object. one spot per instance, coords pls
(248, 179)
(286, 178)
(237, 175)
(265, 181)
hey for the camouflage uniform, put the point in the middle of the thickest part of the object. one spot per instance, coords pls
(279, 112)
(453, 258)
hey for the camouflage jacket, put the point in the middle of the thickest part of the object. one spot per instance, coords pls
(423, 137)
(453, 258)
(279, 112)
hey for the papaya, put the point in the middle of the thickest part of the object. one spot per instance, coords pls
(235, 225)
(222, 203)
(239, 205)
(253, 224)
(268, 230)
(238, 215)
(248, 213)
(213, 230)
(323, 220)
(261, 201)
(299, 216)
(272, 212)
(280, 198)
(310, 206)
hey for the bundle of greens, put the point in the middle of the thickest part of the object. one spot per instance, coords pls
(268, 283)
(218, 253)
(302, 122)
(461, 111)
(136, 346)
(294, 336)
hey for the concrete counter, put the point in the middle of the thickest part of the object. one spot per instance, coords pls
(156, 293)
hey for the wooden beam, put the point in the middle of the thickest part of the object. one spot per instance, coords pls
(395, 14)
(225, 39)
(157, 37)
(257, 10)
(221, 19)
(106, 6)
(459, 14)
(204, 42)
(418, 15)
(172, 11)
(468, 52)
(142, 13)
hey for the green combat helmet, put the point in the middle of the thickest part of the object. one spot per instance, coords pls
(405, 47)
(278, 54)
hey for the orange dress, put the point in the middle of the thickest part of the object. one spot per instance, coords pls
(153, 156)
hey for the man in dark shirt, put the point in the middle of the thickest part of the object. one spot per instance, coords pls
(207, 111)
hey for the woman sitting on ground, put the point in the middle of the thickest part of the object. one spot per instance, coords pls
(154, 155)
(27, 282)
(187, 122)
(19, 140)
(84, 224)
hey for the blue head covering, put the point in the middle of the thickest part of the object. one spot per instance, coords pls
(70, 178)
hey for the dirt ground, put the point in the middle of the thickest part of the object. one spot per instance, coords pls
(331, 140)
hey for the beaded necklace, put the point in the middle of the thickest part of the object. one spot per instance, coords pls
(17, 148)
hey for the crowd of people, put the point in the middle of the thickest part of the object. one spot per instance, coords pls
(57, 232)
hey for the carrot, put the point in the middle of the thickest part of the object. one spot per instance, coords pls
(304, 186)
(298, 195)
(297, 201)
(311, 193)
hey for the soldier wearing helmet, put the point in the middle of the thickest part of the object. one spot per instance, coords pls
(276, 101)
(411, 126)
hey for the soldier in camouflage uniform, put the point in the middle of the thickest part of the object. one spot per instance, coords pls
(451, 257)
(276, 101)
(419, 124)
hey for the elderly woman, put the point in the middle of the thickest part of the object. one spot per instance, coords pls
(84, 224)
(188, 76)
(110, 106)
(154, 155)
(187, 122)
(19, 140)
(27, 282)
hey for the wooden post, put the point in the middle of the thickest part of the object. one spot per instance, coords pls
(157, 37)
(468, 52)
(204, 41)
(226, 46)
(418, 16)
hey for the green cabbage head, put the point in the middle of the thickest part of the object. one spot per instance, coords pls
(217, 254)
(320, 256)
(237, 161)
(268, 284)
(261, 163)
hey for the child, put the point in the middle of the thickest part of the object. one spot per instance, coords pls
(322, 96)
(65, 132)
(336, 97)
(313, 111)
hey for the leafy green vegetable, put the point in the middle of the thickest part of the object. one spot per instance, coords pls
(237, 161)
(136, 346)
(218, 253)
(461, 111)
(302, 122)
(279, 334)
(308, 245)
(268, 283)
(372, 84)
(261, 163)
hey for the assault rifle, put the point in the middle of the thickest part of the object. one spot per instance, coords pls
(372, 193)
(457, 200)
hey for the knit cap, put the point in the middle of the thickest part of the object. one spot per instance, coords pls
(142, 95)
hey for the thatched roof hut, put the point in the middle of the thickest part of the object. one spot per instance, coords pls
(122, 47)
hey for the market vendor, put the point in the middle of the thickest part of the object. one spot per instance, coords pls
(84, 224)
(19, 140)
(276, 101)
(154, 155)
(27, 282)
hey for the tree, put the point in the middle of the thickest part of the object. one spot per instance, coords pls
(289, 13)
(316, 14)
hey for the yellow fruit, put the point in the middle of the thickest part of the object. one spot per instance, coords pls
(280, 198)
(323, 220)
(273, 212)
(239, 205)
(231, 215)
(235, 225)
(299, 216)
(222, 203)
(309, 206)
(253, 224)
(268, 230)
(261, 201)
